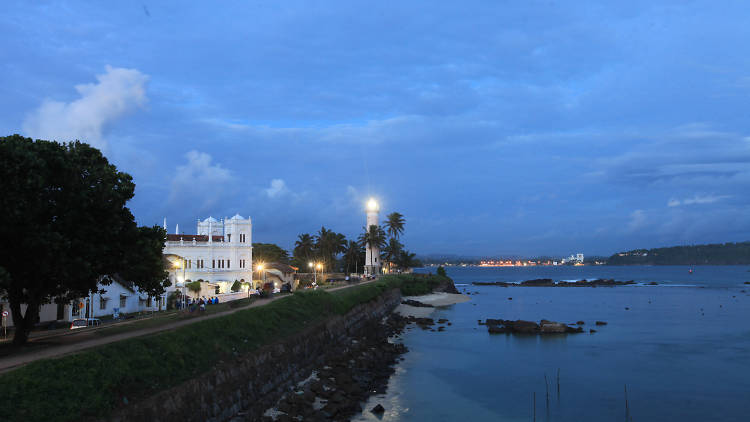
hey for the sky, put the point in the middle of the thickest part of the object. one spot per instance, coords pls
(496, 127)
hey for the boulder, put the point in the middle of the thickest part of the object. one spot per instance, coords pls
(522, 327)
(496, 329)
(601, 323)
(378, 409)
(580, 323)
(549, 327)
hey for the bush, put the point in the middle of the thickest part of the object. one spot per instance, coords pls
(194, 286)
(236, 286)
(441, 271)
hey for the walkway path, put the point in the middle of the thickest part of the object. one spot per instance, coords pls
(23, 358)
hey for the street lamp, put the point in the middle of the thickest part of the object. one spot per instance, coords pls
(177, 265)
(263, 277)
(320, 268)
(310, 264)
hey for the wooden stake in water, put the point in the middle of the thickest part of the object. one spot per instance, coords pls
(558, 383)
(534, 404)
(546, 387)
(627, 407)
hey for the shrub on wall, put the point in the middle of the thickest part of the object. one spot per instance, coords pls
(194, 286)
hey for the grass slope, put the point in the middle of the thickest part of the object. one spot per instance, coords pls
(94, 382)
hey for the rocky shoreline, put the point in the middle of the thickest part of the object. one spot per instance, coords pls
(336, 390)
(502, 326)
(548, 282)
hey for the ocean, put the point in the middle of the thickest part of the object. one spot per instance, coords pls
(676, 351)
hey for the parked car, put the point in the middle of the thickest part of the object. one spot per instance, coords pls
(85, 322)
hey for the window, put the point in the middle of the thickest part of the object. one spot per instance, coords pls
(242, 237)
(149, 303)
(103, 302)
(228, 263)
(229, 237)
(76, 309)
(213, 263)
(123, 301)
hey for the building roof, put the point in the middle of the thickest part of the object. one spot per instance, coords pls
(190, 237)
(210, 219)
(237, 217)
(281, 267)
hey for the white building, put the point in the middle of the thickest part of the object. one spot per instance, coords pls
(220, 253)
(372, 252)
(119, 297)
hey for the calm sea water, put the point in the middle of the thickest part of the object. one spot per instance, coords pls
(682, 349)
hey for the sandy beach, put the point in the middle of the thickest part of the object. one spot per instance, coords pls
(435, 299)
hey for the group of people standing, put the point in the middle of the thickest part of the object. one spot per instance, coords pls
(200, 303)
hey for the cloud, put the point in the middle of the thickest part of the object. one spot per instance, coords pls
(116, 92)
(637, 220)
(276, 189)
(697, 199)
(199, 184)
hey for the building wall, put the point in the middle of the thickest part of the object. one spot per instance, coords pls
(234, 250)
(372, 254)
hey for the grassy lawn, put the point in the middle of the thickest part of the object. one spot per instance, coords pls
(95, 381)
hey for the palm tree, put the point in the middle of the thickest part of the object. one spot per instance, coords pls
(392, 250)
(374, 236)
(406, 260)
(394, 224)
(304, 247)
(352, 255)
(329, 244)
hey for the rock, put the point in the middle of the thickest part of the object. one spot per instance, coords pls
(627, 309)
(569, 329)
(496, 329)
(653, 283)
(490, 321)
(510, 298)
(601, 323)
(378, 409)
(522, 327)
(549, 327)
(580, 323)
(592, 331)
(416, 303)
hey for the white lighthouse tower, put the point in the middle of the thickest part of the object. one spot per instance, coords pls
(372, 253)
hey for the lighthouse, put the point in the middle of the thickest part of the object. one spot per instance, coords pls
(372, 253)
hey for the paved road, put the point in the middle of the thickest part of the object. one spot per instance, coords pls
(17, 360)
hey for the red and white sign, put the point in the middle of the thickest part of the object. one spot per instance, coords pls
(5, 314)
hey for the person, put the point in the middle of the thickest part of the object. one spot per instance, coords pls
(216, 300)
(202, 305)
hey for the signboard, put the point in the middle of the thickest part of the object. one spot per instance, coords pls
(5, 314)
(116, 313)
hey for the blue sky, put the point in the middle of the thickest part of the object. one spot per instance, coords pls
(495, 127)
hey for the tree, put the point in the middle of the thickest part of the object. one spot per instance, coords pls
(353, 256)
(392, 250)
(304, 247)
(406, 260)
(328, 245)
(373, 236)
(65, 225)
(269, 252)
(236, 286)
(394, 224)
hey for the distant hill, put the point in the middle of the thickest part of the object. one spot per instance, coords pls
(714, 254)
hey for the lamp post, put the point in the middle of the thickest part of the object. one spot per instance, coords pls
(310, 264)
(182, 260)
(263, 276)
(320, 268)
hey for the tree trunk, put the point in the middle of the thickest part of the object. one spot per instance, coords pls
(23, 323)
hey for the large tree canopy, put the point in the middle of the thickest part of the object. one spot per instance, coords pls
(65, 224)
